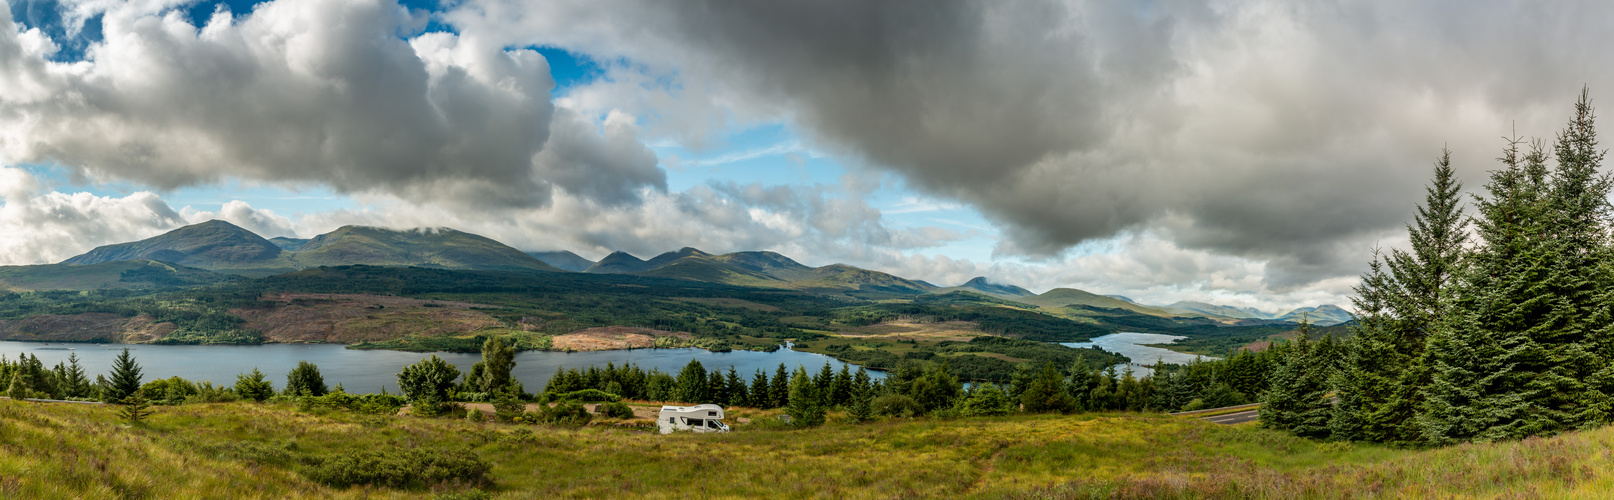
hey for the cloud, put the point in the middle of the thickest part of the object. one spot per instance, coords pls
(41, 227)
(1291, 134)
(339, 93)
(265, 222)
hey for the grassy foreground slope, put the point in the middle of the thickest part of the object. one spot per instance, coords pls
(219, 450)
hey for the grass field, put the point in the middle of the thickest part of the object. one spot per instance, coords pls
(229, 451)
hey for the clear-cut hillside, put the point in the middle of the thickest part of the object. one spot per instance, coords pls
(214, 244)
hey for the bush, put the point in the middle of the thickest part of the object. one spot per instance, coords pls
(415, 468)
(305, 379)
(375, 404)
(618, 410)
(988, 400)
(168, 391)
(431, 377)
(565, 414)
(207, 393)
(896, 405)
(507, 408)
(587, 396)
(475, 415)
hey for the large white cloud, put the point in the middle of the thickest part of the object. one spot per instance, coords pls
(41, 226)
(337, 93)
(1294, 134)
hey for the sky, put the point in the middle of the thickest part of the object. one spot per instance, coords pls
(1246, 153)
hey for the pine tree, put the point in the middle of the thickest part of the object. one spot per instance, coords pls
(74, 383)
(125, 378)
(254, 387)
(305, 380)
(1296, 401)
(498, 360)
(692, 386)
(1370, 377)
(1046, 393)
(804, 409)
(781, 387)
(761, 392)
(1489, 350)
(736, 389)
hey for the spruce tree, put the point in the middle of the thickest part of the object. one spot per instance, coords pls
(74, 383)
(125, 378)
(254, 387)
(692, 384)
(1296, 401)
(761, 392)
(781, 387)
(1370, 377)
(736, 389)
(805, 408)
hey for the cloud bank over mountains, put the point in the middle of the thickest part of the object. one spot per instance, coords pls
(1200, 150)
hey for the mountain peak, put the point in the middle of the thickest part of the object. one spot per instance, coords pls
(209, 244)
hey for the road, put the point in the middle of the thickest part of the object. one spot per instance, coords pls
(1233, 418)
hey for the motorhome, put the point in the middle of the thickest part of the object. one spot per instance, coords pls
(698, 418)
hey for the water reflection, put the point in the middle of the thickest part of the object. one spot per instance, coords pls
(1132, 345)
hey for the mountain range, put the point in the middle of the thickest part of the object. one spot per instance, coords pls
(185, 255)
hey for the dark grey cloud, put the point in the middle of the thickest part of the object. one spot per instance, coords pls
(1295, 134)
(329, 92)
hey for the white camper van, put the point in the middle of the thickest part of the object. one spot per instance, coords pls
(698, 418)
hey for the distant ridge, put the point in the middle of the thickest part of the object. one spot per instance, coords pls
(1323, 315)
(1122, 297)
(564, 259)
(618, 262)
(1219, 310)
(981, 284)
(222, 246)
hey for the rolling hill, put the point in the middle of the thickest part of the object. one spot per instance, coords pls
(980, 284)
(1062, 297)
(1187, 306)
(1323, 315)
(131, 274)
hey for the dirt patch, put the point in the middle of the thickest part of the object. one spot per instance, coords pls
(907, 330)
(611, 337)
(347, 318)
(83, 328)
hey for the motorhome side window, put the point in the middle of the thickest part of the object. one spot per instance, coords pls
(695, 422)
(711, 414)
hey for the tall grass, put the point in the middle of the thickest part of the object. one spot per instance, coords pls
(249, 450)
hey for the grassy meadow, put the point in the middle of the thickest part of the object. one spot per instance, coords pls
(249, 450)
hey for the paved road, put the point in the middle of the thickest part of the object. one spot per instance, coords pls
(1233, 418)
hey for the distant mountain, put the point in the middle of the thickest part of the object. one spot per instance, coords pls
(980, 284)
(1122, 297)
(1062, 297)
(421, 247)
(213, 244)
(222, 246)
(563, 259)
(618, 263)
(1218, 310)
(1323, 315)
(760, 269)
(285, 243)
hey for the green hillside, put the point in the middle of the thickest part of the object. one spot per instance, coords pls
(256, 450)
(134, 274)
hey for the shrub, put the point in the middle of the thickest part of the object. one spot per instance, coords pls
(398, 468)
(618, 410)
(988, 400)
(896, 405)
(431, 377)
(207, 393)
(565, 414)
(374, 404)
(588, 396)
(507, 408)
(475, 415)
(168, 391)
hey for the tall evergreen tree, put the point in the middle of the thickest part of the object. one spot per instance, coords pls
(125, 378)
(692, 384)
(1296, 401)
(761, 393)
(1370, 375)
(781, 387)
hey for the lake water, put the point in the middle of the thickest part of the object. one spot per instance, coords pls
(369, 371)
(1133, 346)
